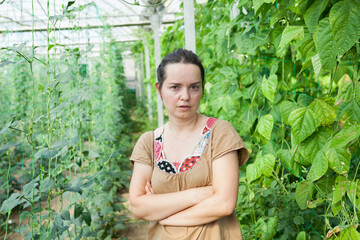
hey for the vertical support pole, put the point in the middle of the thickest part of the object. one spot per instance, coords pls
(190, 42)
(155, 24)
(137, 81)
(142, 88)
(148, 86)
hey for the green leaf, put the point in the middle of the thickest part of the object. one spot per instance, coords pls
(252, 172)
(47, 184)
(346, 90)
(269, 87)
(267, 229)
(298, 7)
(313, 13)
(303, 193)
(336, 208)
(298, 220)
(303, 122)
(10, 203)
(301, 236)
(74, 189)
(349, 108)
(314, 204)
(7, 126)
(316, 65)
(288, 162)
(290, 33)
(345, 136)
(65, 215)
(339, 159)
(326, 45)
(349, 233)
(286, 107)
(78, 210)
(249, 79)
(353, 193)
(21, 229)
(267, 164)
(258, 3)
(24, 215)
(323, 111)
(265, 126)
(313, 144)
(341, 186)
(319, 167)
(345, 24)
(87, 217)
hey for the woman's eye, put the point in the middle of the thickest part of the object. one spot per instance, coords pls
(174, 87)
(195, 87)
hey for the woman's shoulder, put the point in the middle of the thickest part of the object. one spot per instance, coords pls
(222, 124)
(146, 136)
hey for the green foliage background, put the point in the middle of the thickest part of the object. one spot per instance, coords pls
(286, 75)
(66, 134)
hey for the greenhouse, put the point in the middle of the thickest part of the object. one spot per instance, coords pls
(81, 86)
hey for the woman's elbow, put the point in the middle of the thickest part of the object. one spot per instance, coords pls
(227, 208)
(135, 212)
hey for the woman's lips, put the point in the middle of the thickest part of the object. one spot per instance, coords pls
(184, 107)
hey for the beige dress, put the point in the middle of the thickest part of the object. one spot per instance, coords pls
(218, 138)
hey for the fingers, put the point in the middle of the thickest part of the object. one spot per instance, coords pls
(148, 188)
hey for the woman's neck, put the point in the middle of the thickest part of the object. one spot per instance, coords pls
(188, 125)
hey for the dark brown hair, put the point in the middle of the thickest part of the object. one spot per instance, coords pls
(179, 56)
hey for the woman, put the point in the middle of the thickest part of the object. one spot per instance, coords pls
(184, 185)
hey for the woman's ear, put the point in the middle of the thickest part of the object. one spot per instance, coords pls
(157, 85)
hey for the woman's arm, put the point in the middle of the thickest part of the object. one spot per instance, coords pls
(155, 207)
(221, 203)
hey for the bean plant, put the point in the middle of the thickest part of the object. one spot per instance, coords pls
(286, 75)
(66, 134)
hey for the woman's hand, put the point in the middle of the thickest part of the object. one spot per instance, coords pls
(148, 188)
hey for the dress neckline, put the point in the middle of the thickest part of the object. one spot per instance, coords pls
(178, 167)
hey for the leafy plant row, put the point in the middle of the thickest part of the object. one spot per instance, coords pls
(65, 136)
(286, 75)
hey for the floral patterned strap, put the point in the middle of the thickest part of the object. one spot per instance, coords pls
(189, 162)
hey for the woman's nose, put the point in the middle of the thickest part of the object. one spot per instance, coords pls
(184, 95)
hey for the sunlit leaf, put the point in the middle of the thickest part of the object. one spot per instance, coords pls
(303, 193)
(269, 87)
(265, 126)
(290, 33)
(353, 193)
(286, 107)
(301, 236)
(345, 24)
(326, 45)
(349, 233)
(319, 167)
(313, 144)
(267, 164)
(339, 159)
(323, 111)
(349, 108)
(252, 172)
(303, 122)
(341, 186)
(313, 13)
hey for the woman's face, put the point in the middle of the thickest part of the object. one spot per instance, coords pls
(181, 90)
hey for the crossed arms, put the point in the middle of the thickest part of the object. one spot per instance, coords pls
(190, 207)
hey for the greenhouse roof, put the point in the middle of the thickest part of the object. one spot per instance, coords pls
(78, 23)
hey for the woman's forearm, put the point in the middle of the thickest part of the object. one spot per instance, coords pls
(209, 210)
(155, 207)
